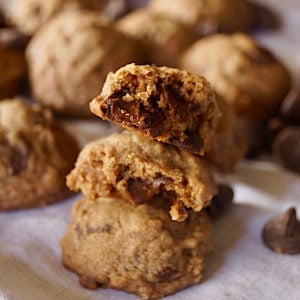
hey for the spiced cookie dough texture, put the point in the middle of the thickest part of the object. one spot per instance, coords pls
(208, 16)
(137, 169)
(246, 75)
(70, 57)
(163, 38)
(29, 15)
(162, 103)
(35, 156)
(140, 250)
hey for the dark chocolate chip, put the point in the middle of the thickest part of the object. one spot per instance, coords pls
(286, 148)
(141, 190)
(271, 130)
(12, 38)
(264, 18)
(221, 202)
(19, 160)
(152, 123)
(260, 56)
(122, 111)
(193, 142)
(88, 283)
(282, 234)
(105, 228)
(290, 108)
(256, 143)
(2, 21)
(165, 274)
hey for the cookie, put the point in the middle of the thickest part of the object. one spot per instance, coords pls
(136, 169)
(69, 58)
(12, 66)
(163, 38)
(229, 143)
(166, 104)
(246, 75)
(138, 250)
(28, 16)
(35, 156)
(209, 16)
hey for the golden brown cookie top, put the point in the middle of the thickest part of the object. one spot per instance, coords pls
(136, 169)
(166, 104)
(160, 257)
(70, 56)
(36, 154)
(245, 74)
(208, 16)
(163, 37)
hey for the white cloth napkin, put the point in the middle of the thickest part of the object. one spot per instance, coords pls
(241, 267)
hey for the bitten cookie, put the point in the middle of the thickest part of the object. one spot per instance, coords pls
(12, 66)
(35, 156)
(29, 15)
(136, 169)
(138, 250)
(70, 56)
(208, 16)
(246, 75)
(163, 38)
(162, 103)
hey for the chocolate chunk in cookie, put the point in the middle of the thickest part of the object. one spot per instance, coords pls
(136, 169)
(166, 104)
(144, 252)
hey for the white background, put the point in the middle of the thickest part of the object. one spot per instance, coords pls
(241, 267)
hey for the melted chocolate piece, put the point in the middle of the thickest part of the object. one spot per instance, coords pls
(141, 190)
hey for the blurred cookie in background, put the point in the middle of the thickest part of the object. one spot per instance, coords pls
(245, 74)
(36, 153)
(208, 16)
(28, 16)
(163, 38)
(69, 59)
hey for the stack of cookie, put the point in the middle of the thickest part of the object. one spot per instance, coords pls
(121, 235)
